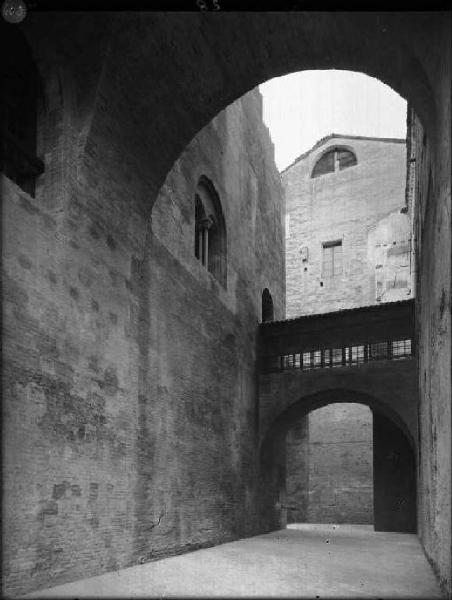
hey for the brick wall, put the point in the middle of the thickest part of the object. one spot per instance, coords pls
(433, 312)
(142, 86)
(388, 387)
(129, 372)
(361, 206)
(338, 454)
(297, 472)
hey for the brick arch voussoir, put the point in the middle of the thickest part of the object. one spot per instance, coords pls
(306, 404)
(182, 69)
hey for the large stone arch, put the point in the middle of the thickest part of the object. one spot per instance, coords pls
(388, 386)
(306, 404)
(220, 57)
(394, 482)
(181, 69)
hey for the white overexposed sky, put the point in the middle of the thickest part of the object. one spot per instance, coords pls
(301, 108)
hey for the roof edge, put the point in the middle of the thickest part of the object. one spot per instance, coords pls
(347, 137)
(340, 311)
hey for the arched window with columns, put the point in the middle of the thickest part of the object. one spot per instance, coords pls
(210, 230)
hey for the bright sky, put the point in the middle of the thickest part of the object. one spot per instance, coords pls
(303, 107)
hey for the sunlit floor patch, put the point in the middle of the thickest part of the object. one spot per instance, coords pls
(304, 560)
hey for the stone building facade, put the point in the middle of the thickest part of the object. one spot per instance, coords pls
(357, 213)
(348, 244)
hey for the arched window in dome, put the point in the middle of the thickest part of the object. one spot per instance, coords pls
(210, 230)
(18, 108)
(335, 159)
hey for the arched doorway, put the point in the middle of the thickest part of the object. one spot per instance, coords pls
(394, 477)
(394, 464)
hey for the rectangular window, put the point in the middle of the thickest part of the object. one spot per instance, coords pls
(307, 361)
(357, 354)
(290, 361)
(327, 358)
(337, 357)
(331, 258)
(401, 348)
(286, 361)
(316, 360)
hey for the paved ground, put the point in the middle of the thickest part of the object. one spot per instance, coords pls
(315, 561)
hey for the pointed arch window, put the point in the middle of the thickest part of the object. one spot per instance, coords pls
(210, 230)
(335, 159)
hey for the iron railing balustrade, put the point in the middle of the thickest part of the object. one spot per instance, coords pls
(346, 356)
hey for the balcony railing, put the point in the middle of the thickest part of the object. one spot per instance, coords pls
(348, 356)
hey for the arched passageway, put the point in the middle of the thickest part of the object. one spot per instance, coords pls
(133, 89)
(394, 462)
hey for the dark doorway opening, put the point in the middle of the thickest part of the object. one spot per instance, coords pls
(394, 478)
(267, 306)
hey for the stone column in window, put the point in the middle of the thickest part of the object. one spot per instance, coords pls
(199, 240)
(205, 226)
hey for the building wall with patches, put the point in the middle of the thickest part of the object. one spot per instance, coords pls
(368, 208)
(329, 466)
(362, 206)
(129, 382)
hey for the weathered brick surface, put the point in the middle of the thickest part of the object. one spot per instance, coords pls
(136, 89)
(129, 379)
(433, 231)
(390, 386)
(297, 472)
(340, 465)
(359, 205)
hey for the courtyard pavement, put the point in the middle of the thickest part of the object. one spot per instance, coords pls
(303, 561)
